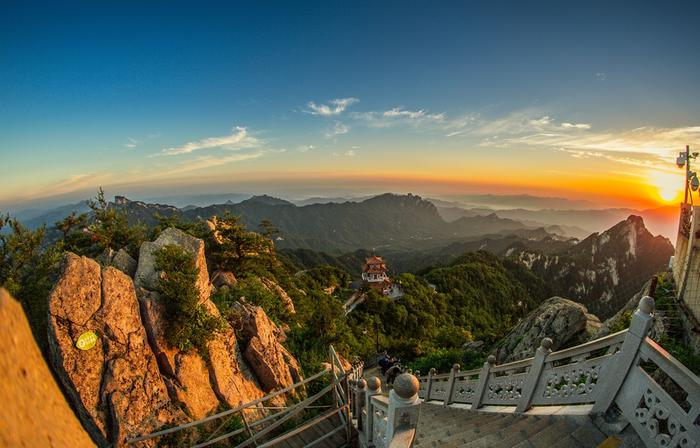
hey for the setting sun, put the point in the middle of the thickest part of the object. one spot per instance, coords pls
(668, 186)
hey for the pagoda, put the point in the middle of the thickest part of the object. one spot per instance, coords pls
(374, 274)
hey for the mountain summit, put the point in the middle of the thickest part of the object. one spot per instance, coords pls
(605, 269)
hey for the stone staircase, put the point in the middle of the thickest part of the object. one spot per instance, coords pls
(325, 434)
(621, 390)
(445, 426)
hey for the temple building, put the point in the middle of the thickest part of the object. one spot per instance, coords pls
(374, 274)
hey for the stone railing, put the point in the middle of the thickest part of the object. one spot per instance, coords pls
(383, 421)
(655, 393)
(549, 378)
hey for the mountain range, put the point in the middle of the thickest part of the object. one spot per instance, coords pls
(384, 222)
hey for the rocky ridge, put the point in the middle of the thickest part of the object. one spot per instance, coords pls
(132, 382)
(605, 269)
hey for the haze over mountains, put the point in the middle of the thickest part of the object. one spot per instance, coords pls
(572, 218)
(601, 268)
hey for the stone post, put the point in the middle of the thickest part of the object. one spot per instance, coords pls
(451, 384)
(483, 382)
(403, 405)
(360, 389)
(614, 374)
(374, 387)
(429, 384)
(533, 376)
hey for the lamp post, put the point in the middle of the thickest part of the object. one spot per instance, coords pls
(691, 178)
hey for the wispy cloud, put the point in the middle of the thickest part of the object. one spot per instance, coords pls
(132, 142)
(204, 162)
(644, 146)
(350, 153)
(305, 148)
(337, 129)
(398, 116)
(238, 139)
(600, 76)
(334, 107)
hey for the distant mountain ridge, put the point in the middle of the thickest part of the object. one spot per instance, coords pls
(387, 221)
(605, 269)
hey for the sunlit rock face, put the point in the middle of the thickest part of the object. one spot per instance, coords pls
(272, 363)
(116, 385)
(131, 382)
(604, 270)
(34, 411)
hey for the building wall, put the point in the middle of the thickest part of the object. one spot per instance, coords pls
(686, 260)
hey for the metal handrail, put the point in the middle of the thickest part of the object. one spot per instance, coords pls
(226, 412)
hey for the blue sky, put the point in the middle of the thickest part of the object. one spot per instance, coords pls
(471, 96)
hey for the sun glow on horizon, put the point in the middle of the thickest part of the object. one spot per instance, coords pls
(668, 187)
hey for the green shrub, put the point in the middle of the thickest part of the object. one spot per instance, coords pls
(442, 359)
(622, 322)
(189, 325)
(28, 268)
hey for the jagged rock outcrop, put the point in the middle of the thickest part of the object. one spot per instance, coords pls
(115, 386)
(184, 373)
(199, 385)
(566, 322)
(34, 411)
(228, 375)
(131, 382)
(273, 365)
(605, 269)
(147, 275)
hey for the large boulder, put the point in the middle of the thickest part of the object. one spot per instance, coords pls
(273, 365)
(115, 386)
(34, 411)
(147, 275)
(566, 322)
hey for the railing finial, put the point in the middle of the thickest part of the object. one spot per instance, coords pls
(647, 305)
(374, 383)
(491, 359)
(546, 343)
(406, 386)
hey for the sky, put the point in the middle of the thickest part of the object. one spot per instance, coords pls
(582, 100)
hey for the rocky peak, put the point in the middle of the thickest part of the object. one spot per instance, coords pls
(605, 269)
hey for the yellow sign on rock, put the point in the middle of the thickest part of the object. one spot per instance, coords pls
(87, 340)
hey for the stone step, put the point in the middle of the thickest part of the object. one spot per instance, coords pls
(511, 434)
(547, 436)
(532, 425)
(448, 427)
(445, 426)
